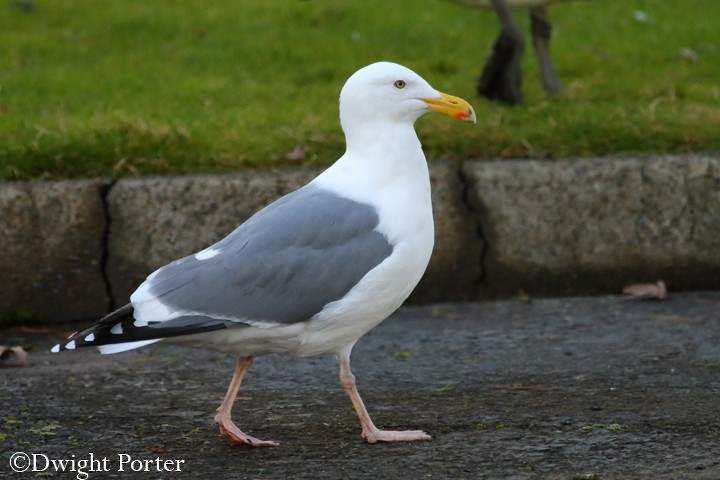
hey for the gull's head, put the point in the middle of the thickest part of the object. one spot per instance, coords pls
(384, 91)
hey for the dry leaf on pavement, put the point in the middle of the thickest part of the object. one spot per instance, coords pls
(13, 357)
(646, 291)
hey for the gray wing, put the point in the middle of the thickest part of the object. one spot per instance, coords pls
(283, 265)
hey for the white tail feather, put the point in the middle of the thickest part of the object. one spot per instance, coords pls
(124, 347)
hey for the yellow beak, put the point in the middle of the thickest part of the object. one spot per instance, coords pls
(456, 107)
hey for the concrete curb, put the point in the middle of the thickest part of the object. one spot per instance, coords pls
(593, 225)
(75, 248)
(52, 237)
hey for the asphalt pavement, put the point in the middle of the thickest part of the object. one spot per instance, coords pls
(564, 388)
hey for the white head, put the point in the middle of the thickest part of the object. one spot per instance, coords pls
(387, 92)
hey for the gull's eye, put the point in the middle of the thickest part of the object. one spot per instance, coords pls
(399, 84)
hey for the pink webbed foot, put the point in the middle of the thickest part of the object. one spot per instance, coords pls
(370, 432)
(374, 435)
(231, 432)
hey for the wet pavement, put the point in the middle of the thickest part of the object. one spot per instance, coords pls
(572, 388)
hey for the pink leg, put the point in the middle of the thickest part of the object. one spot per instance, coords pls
(224, 411)
(369, 431)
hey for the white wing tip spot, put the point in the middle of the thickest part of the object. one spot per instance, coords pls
(206, 254)
(70, 345)
(117, 329)
(90, 337)
(55, 349)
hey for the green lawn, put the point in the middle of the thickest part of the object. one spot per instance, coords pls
(126, 87)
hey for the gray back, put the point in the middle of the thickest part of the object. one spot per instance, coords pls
(283, 265)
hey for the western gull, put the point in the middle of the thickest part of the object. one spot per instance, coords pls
(315, 270)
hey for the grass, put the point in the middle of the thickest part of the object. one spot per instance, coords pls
(128, 87)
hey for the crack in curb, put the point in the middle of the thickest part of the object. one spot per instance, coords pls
(479, 231)
(105, 243)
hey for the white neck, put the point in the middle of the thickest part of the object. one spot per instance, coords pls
(379, 155)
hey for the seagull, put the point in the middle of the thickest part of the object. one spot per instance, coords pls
(315, 270)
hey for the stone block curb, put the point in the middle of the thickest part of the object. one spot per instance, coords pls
(594, 225)
(74, 249)
(52, 237)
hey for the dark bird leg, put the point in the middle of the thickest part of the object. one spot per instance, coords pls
(541, 32)
(224, 411)
(501, 78)
(369, 431)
